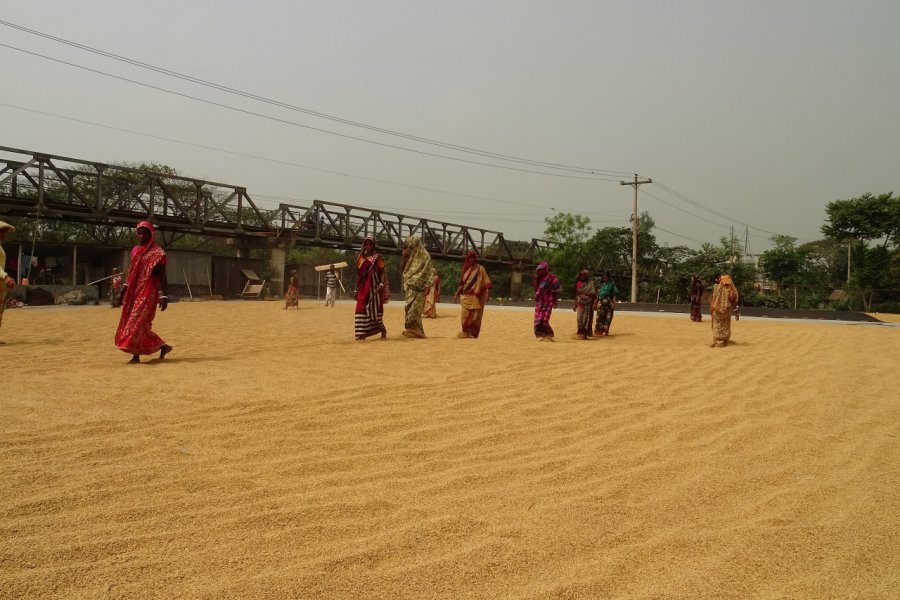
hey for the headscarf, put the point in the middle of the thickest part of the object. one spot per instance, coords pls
(369, 238)
(7, 227)
(724, 296)
(417, 273)
(470, 261)
(540, 274)
(583, 275)
(143, 248)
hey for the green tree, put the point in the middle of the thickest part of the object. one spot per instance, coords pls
(862, 220)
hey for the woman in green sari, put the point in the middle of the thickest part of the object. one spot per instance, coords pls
(608, 294)
(416, 267)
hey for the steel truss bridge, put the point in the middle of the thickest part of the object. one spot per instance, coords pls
(75, 190)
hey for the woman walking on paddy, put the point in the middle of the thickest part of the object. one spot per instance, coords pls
(416, 268)
(372, 292)
(696, 295)
(144, 289)
(6, 281)
(608, 293)
(473, 293)
(546, 295)
(433, 295)
(585, 302)
(292, 296)
(724, 302)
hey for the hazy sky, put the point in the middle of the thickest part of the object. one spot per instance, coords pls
(763, 111)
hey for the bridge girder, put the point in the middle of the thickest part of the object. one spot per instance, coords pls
(70, 189)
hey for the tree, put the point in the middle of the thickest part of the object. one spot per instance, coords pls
(567, 229)
(861, 220)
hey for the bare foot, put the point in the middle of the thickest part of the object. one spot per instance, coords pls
(135, 360)
(164, 350)
(550, 339)
(725, 343)
(713, 345)
(462, 335)
(384, 334)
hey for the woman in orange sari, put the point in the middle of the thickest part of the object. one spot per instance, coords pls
(473, 293)
(144, 289)
(432, 296)
(292, 296)
(724, 302)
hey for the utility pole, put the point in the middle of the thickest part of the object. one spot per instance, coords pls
(849, 243)
(634, 224)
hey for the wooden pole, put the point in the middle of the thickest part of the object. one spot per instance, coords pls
(183, 272)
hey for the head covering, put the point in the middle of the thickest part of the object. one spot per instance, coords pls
(138, 250)
(369, 238)
(725, 295)
(583, 275)
(417, 271)
(540, 273)
(7, 227)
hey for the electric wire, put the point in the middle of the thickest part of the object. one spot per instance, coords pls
(269, 159)
(282, 104)
(296, 124)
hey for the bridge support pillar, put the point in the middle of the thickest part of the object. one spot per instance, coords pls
(515, 284)
(276, 269)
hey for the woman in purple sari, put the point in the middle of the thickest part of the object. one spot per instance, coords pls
(546, 293)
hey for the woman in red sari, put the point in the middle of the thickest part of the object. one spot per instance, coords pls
(372, 292)
(473, 293)
(140, 296)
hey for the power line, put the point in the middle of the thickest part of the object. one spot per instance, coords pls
(295, 124)
(282, 104)
(271, 160)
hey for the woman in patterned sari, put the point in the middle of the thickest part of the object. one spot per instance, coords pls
(608, 294)
(724, 302)
(546, 293)
(585, 301)
(144, 289)
(372, 292)
(292, 296)
(473, 293)
(416, 268)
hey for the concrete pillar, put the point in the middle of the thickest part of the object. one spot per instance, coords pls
(515, 284)
(276, 270)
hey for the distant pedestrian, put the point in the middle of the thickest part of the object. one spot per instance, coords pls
(115, 288)
(546, 296)
(432, 296)
(696, 295)
(6, 282)
(331, 285)
(292, 296)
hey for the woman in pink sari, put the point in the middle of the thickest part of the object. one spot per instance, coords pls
(140, 296)
(546, 294)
